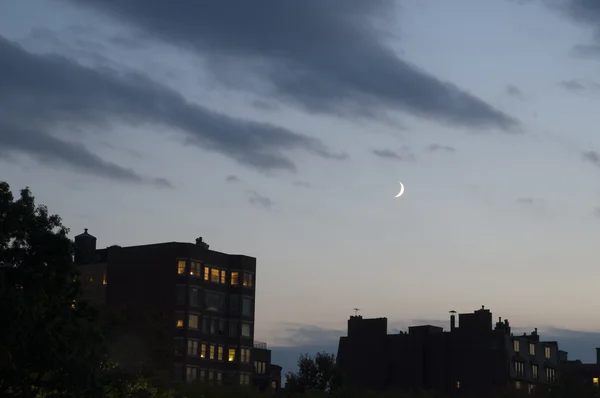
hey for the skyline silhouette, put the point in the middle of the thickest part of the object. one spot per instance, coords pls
(286, 142)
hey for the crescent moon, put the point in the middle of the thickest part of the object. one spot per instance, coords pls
(401, 191)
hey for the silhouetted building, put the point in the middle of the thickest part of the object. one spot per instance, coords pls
(180, 309)
(473, 357)
(583, 373)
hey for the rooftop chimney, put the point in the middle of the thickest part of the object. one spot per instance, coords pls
(598, 356)
(200, 243)
(452, 320)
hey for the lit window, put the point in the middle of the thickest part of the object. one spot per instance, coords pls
(246, 330)
(181, 267)
(203, 351)
(211, 353)
(531, 349)
(519, 368)
(248, 280)
(550, 374)
(191, 373)
(260, 367)
(518, 385)
(223, 277)
(534, 371)
(244, 379)
(457, 384)
(547, 352)
(235, 278)
(104, 279)
(195, 268)
(595, 381)
(179, 316)
(214, 275)
(193, 321)
(516, 346)
(231, 356)
(220, 353)
(206, 273)
(192, 347)
(245, 355)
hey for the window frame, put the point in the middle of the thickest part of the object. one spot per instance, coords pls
(181, 270)
(197, 316)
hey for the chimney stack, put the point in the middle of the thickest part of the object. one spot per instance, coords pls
(598, 356)
(452, 320)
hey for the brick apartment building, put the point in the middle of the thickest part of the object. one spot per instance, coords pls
(472, 357)
(183, 310)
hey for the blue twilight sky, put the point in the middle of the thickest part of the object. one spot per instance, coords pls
(281, 130)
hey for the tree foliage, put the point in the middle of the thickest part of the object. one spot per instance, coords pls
(318, 373)
(49, 342)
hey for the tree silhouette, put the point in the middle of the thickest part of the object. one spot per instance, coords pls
(314, 373)
(49, 342)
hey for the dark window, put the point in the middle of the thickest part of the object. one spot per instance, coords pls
(205, 324)
(222, 327)
(246, 330)
(214, 324)
(180, 295)
(234, 304)
(233, 329)
(195, 269)
(213, 302)
(194, 291)
(178, 372)
(178, 346)
(247, 306)
(248, 280)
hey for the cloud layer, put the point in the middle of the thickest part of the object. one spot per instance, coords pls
(42, 94)
(328, 57)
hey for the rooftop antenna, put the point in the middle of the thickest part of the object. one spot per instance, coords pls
(356, 311)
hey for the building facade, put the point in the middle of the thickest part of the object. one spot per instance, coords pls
(180, 309)
(473, 356)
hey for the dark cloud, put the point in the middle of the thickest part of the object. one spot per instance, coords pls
(591, 156)
(523, 200)
(514, 92)
(440, 148)
(586, 51)
(578, 85)
(302, 184)
(326, 56)
(232, 178)
(50, 150)
(259, 200)
(52, 91)
(586, 12)
(389, 154)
